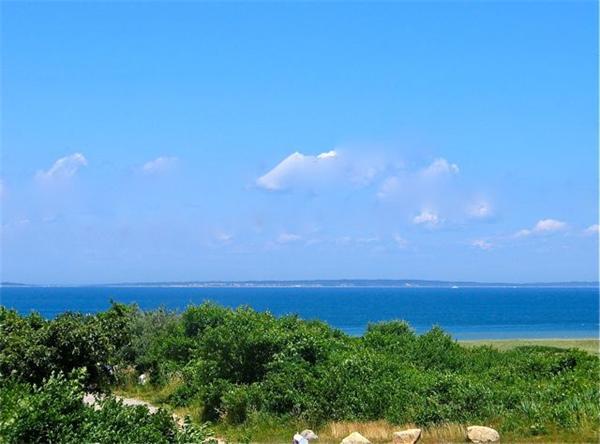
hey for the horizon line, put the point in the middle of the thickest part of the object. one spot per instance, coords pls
(343, 282)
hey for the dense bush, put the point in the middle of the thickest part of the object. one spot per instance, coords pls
(32, 348)
(54, 412)
(237, 364)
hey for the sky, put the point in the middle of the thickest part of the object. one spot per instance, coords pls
(155, 141)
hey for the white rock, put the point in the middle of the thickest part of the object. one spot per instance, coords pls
(410, 436)
(309, 434)
(143, 378)
(355, 438)
(481, 434)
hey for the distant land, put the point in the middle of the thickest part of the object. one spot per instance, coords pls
(326, 283)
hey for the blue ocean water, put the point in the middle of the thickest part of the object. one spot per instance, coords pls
(467, 313)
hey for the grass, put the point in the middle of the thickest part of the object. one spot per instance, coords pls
(269, 430)
(591, 346)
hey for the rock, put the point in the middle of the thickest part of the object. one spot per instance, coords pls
(299, 439)
(355, 438)
(178, 420)
(410, 436)
(309, 434)
(143, 378)
(480, 434)
(91, 400)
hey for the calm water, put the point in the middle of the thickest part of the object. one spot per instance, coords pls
(467, 313)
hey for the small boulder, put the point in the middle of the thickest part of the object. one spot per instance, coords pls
(355, 438)
(143, 378)
(410, 436)
(481, 434)
(308, 434)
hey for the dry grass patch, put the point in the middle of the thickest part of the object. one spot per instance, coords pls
(444, 433)
(383, 432)
(376, 431)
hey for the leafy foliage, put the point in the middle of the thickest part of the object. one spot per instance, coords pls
(54, 412)
(240, 364)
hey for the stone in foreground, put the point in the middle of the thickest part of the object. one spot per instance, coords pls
(480, 434)
(410, 436)
(309, 434)
(355, 438)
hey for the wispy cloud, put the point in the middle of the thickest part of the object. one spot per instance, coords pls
(427, 218)
(543, 226)
(223, 237)
(592, 229)
(63, 168)
(426, 180)
(399, 241)
(159, 165)
(389, 187)
(440, 167)
(480, 210)
(287, 238)
(482, 244)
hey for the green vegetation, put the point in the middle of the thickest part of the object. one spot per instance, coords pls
(589, 345)
(250, 373)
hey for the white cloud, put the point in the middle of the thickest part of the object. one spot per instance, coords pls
(286, 238)
(546, 225)
(592, 229)
(296, 168)
(400, 241)
(480, 210)
(63, 168)
(483, 244)
(223, 237)
(440, 167)
(409, 185)
(543, 226)
(327, 155)
(427, 218)
(159, 165)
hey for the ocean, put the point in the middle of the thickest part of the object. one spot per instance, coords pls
(466, 312)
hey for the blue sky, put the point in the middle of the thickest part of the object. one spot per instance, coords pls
(198, 141)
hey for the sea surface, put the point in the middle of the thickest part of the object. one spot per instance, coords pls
(466, 312)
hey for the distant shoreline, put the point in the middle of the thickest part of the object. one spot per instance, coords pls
(333, 283)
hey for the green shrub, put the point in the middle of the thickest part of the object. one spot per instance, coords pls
(239, 365)
(54, 412)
